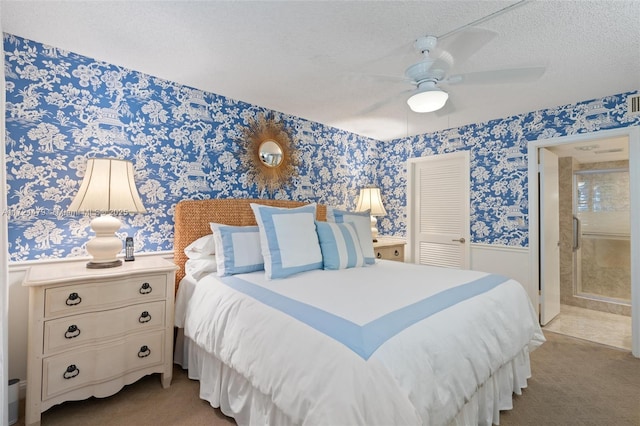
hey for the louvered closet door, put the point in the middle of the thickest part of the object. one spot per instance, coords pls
(440, 210)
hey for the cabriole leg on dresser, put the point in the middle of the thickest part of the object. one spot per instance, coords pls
(165, 379)
(32, 416)
(32, 411)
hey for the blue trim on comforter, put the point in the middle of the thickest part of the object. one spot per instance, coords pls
(365, 340)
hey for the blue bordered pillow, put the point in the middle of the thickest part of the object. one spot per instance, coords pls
(362, 223)
(237, 249)
(288, 239)
(340, 245)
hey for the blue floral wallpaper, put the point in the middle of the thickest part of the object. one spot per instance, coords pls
(63, 108)
(499, 167)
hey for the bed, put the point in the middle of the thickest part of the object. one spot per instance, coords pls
(382, 343)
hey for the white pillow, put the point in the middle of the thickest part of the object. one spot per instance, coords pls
(288, 239)
(362, 222)
(203, 246)
(237, 249)
(340, 245)
(198, 268)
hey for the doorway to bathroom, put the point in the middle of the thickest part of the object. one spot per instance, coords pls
(594, 242)
(598, 235)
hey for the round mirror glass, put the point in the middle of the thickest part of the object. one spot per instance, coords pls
(270, 153)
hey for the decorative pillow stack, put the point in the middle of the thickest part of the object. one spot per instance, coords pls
(362, 224)
(285, 242)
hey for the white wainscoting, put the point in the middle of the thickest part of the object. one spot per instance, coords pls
(19, 314)
(512, 262)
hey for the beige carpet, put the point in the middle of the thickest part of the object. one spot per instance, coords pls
(574, 383)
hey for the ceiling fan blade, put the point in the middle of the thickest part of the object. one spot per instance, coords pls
(448, 108)
(458, 47)
(383, 102)
(350, 78)
(514, 75)
(396, 54)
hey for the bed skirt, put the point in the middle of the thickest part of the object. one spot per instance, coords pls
(224, 388)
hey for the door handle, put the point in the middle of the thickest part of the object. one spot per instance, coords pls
(576, 233)
(460, 240)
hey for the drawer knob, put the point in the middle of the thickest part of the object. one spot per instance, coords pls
(72, 331)
(145, 288)
(144, 317)
(72, 371)
(144, 351)
(396, 253)
(379, 255)
(73, 299)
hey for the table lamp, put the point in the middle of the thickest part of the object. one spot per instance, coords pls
(369, 199)
(108, 187)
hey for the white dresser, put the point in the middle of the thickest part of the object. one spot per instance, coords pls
(93, 331)
(389, 248)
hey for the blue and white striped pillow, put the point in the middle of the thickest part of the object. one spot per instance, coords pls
(288, 239)
(237, 249)
(340, 245)
(362, 223)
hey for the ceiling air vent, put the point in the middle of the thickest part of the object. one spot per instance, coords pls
(634, 105)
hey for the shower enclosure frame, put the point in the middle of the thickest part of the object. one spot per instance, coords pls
(577, 285)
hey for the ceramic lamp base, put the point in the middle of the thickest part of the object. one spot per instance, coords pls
(374, 229)
(105, 246)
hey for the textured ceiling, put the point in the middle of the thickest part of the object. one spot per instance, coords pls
(329, 61)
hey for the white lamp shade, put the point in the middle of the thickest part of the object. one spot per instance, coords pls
(108, 186)
(370, 199)
(431, 99)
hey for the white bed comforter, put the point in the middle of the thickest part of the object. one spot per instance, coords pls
(422, 375)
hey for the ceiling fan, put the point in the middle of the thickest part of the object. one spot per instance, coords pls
(432, 72)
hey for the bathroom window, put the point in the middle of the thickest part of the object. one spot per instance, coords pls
(602, 201)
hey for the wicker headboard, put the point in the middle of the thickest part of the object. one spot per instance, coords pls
(192, 220)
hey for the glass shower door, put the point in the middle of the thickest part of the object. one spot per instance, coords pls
(602, 256)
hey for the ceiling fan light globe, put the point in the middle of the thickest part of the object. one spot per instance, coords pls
(428, 101)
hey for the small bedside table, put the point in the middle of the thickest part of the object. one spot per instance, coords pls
(93, 331)
(389, 248)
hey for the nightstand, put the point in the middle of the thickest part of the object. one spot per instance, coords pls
(389, 248)
(93, 331)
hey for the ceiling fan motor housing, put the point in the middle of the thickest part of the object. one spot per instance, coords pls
(425, 44)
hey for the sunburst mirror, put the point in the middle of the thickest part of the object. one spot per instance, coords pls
(268, 154)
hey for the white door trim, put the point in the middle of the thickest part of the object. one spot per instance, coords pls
(411, 227)
(633, 133)
(4, 262)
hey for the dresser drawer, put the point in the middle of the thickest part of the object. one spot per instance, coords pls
(391, 253)
(68, 371)
(68, 332)
(84, 297)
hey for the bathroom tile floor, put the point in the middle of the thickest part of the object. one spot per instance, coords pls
(595, 326)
